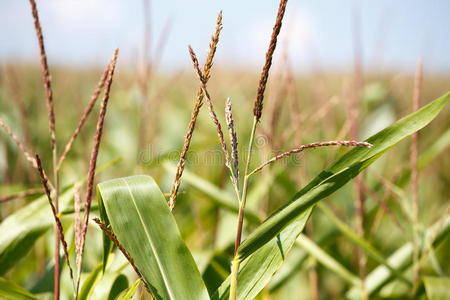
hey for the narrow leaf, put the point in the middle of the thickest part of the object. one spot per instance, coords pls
(327, 260)
(256, 271)
(89, 283)
(341, 172)
(401, 259)
(21, 229)
(362, 243)
(11, 291)
(129, 292)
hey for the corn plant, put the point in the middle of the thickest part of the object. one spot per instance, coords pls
(137, 221)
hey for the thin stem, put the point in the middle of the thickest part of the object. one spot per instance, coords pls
(213, 116)
(112, 236)
(198, 104)
(21, 146)
(94, 154)
(59, 228)
(311, 145)
(51, 119)
(84, 117)
(236, 260)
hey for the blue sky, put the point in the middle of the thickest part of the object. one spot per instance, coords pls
(393, 33)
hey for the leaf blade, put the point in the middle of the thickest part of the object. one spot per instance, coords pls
(341, 172)
(139, 216)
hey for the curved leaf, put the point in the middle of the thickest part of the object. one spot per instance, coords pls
(327, 260)
(258, 251)
(401, 259)
(341, 172)
(141, 219)
(89, 283)
(20, 230)
(11, 291)
(256, 271)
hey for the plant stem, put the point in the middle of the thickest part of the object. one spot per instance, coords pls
(57, 238)
(236, 260)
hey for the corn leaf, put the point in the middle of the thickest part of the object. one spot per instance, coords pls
(256, 271)
(20, 230)
(287, 223)
(341, 172)
(11, 291)
(401, 259)
(327, 260)
(140, 217)
(128, 293)
(89, 283)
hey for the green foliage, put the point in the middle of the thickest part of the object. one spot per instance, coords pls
(437, 288)
(11, 291)
(129, 292)
(341, 172)
(275, 255)
(21, 229)
(140, 218)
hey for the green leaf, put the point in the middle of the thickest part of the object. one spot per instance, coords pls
(327, 260)
(401, 259)
(107, 243)
(20, 230)
(263, 251)
(437, 288)
(141, 219)
(129, 292)
(217, 269)
(89, 283)
(11, 291)
(256, 271)
(109, 286)
(341, 172)
(362, 243)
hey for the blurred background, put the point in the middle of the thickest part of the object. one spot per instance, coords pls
(333, 58)
(388, 35)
